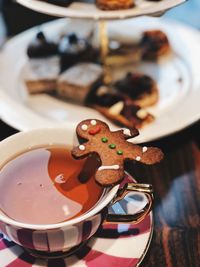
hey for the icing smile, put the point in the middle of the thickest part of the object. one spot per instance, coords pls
(95, 130)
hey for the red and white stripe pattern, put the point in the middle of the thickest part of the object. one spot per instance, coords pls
(56, 239)
(113, 245)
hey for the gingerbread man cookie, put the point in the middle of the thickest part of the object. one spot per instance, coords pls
(112, 148)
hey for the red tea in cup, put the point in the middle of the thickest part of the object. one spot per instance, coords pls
(42, 186)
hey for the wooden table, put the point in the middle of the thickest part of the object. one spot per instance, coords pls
(176, 181)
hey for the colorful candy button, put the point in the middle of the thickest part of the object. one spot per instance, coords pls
(112, 146)
(104, 139)
(95, 130)
(119, 152)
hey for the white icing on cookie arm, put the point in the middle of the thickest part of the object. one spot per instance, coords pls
(81, 151)
(144, 149)
(109, 167)
(150, 155)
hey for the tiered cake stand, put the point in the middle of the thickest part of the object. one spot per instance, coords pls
(88, 10)
(177, 76)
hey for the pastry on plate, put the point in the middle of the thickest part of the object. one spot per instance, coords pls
(121, 111)
(79, 81)
(140, 88)
(59, 2)
(114, 4)
(73, 49)
(41, 76)
(42, 68)
(41, 47)
(154, 44)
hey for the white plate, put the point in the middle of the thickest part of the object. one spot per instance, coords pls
(178, 80)
(90, 11)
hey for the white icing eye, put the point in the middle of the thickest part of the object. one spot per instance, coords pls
(144, 149)
(138, 158)
(82, 147)
(93, 122)
(84, 127)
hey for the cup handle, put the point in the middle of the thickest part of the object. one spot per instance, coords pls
(139, 216)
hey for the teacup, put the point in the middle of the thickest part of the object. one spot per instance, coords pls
(69, 235)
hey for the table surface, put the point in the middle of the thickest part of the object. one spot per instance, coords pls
(176, 182)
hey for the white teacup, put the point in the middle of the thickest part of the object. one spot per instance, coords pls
(65, 236)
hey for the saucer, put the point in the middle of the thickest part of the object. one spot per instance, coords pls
(113, 245)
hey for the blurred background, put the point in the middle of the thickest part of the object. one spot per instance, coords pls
(14, 18)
